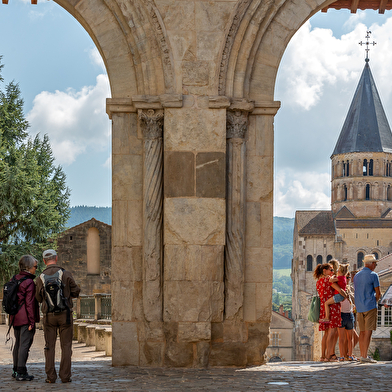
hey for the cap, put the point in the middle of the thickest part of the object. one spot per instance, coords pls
(49, 253)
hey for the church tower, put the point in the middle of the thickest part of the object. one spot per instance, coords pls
(362, 159)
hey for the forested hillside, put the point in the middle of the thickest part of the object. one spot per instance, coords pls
(80, 214)
(283, 242)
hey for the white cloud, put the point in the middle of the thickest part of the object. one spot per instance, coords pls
(315, 58)
(301, 190)
(96, 58)
(75, 121)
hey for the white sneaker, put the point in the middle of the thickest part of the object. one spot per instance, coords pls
(367, 360)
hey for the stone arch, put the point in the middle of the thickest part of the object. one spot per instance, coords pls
(139, 66)
(249, 60)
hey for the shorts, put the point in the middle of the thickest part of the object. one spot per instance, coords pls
(367, 321)
(338, 298)
(347, 321)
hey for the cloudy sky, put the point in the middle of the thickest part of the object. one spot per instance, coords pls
(64, 85)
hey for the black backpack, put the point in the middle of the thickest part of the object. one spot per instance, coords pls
(53, 288)
(10, 295)
(11, 304)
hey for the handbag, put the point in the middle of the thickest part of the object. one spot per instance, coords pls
(314, 311)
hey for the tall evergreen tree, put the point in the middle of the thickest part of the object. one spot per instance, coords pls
(34, 198)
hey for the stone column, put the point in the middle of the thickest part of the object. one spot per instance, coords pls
(237, 123)
(127, 224)
(151, 122)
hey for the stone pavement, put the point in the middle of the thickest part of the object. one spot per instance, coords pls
(93, 371)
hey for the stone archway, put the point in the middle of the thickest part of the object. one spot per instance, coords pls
(192, 113)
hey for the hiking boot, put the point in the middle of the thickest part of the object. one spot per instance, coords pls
(50, 381)
(23, 377)
(14, 374)
(69, 380)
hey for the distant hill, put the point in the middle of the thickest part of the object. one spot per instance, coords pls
(80, 214)
(283, 242)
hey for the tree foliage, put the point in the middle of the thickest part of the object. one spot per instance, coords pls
(34, 198)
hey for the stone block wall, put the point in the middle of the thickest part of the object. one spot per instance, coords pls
(72, 255)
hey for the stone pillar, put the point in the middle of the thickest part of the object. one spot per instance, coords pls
(237, 124)
(127, 233)
(152, 128)
(194, 228)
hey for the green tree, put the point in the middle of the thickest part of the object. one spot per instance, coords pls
(34, 198)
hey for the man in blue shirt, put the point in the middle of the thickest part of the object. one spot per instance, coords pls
(367, 294)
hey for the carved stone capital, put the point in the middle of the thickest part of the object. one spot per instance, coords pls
(151, 122)
(236, 124)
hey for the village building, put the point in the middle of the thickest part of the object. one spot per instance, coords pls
(85, 251)
(281, 337)
(360, 219)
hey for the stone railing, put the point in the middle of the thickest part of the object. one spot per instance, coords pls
(93, 307)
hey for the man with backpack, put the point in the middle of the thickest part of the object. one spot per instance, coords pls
(20, 303)
(55, 289)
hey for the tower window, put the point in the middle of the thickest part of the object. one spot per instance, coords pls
(367, 197)
(319, 259)
(365, 167)
(371, 167)
(348, 168)
(378, 242)
(375, 255)
(309, 263)
(360, 257)
(344, 192)
(329, 257)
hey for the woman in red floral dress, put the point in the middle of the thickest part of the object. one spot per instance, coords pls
(322, 274)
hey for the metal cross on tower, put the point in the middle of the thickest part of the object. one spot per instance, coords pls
(367, 43)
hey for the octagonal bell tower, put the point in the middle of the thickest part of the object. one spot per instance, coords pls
(362, 159)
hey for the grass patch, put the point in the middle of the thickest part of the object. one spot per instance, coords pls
(282, 272)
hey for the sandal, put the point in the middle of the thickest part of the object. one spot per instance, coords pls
(323, 359)
(332, 358)
(349, 358)
(341, 359)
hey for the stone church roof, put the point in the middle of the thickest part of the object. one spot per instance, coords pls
(366, 127)
(315, 222)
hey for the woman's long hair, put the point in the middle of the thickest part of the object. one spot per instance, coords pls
(319, 270)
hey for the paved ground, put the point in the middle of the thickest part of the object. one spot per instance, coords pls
(92, 371)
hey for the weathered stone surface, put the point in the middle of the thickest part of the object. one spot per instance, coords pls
(72, 251)
(131, 263)
(258, 269)
(194, 332)
(125, 138)
(195, 73)
(258, 170)
(203, 350)
(227, 354)
(194, 221)
(194, 263)
(179, 177)
(210, 174)
(130, 293)
(179, 354)
(192, 129)
(217, 332)
(127, 177)
(253, 225)
(125, 344)
(151, 331)
(151, 354)
(234, 331)
(193, 301)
